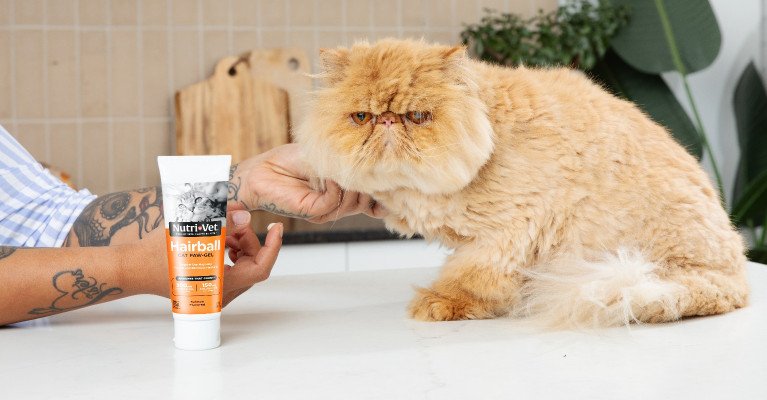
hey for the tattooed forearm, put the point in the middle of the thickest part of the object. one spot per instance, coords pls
(76, 291)
(234, 189)
(6, 251)
(110, 213)
(272, 208)
(234, 186)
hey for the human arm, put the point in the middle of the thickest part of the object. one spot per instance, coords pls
(116, 250)
(127, 223)
(276, 181)
(46, 281)
(280, 182)
(39, 282)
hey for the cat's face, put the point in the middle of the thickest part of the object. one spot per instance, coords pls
(196, 206)
(397, 114)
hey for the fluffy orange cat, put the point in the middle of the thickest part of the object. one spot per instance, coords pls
(560, 200)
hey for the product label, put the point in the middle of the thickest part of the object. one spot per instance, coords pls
(190, 229)
(196, 237)
(196, 272)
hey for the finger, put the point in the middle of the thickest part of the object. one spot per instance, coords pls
(322, 203)
(233, 255)
(242, 233)
(250, 270)
(379, 211)
(238, 218)
(332, 187)
(365, 204)
(266, 258)
(232, 242)
(360, 203)
(376, 210)
(249, 244)
(351, 203)
(237, 221)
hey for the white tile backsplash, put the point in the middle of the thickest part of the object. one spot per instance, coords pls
(102, 61)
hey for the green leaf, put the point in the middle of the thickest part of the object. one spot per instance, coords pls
(479, 48)
(571, 33)
(752, 203)
(652, 95)
(750, 191)
(687, 43)
(750, 104)
(758, 254)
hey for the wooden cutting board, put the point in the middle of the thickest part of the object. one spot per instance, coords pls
(287, 69)
(244, 109)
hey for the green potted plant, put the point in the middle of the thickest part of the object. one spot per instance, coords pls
(576, 34)
(627, 44)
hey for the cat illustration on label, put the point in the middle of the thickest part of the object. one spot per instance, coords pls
(201, 202)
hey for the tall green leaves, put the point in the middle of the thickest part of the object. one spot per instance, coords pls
(750, 105)
(750, 192)
(672, 35)
(679, 36)
(669, 35)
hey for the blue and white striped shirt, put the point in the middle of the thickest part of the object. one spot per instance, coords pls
(36, 208)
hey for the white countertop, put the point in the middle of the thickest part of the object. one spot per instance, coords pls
(346, 336)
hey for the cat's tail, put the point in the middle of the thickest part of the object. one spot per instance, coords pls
(620, 289)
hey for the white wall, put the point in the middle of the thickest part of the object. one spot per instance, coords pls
(741, 24)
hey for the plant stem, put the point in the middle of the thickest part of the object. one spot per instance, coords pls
(660, 5)
(763, 237)
(704, 138)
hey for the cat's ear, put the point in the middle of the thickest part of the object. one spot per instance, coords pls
(453, 56)
(334, 63)
(453, 64)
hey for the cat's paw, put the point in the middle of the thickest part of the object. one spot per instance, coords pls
(429, 305)
(658, 312)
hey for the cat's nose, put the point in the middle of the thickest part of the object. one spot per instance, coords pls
(388, 118)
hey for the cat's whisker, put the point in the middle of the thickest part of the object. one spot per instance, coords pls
(447, 146)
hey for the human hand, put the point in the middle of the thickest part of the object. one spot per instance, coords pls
(278, 181)
(252, 262)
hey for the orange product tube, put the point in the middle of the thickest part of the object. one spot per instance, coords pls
(194, 191)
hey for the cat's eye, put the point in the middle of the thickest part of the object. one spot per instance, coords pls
(362, 118)
(418, 117)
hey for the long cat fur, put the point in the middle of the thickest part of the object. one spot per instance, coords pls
(560, 200)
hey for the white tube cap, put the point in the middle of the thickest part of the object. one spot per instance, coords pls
(197, 331)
